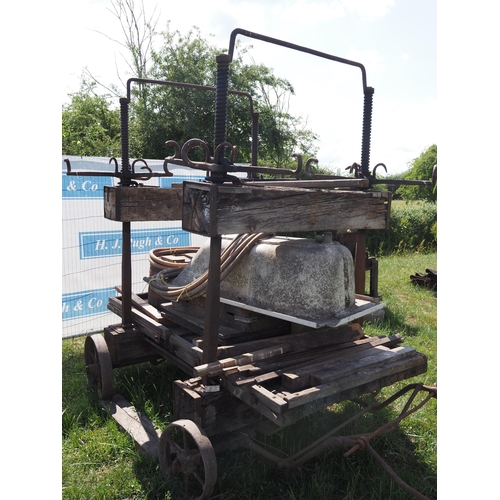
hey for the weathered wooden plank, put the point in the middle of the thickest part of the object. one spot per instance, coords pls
(217, 367)
(274, 368)
(269, 399)
(252, 209)
(193, 354)
(148, 325)
(348, 366)
(297, 413)
(351, 381)
(298, 341)
(299, 376)
(139, 427)
(143, 305)
(142, 203)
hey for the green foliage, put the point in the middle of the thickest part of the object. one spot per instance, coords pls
(421, 169)
(412, 227)
(161, 113)
(90, 127)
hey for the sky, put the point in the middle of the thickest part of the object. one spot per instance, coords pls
(396, 41)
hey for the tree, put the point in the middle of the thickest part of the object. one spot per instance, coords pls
(90, 127)
(421, 169)
(160, 113)
(171, 113)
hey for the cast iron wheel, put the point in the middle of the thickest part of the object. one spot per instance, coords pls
(98, 366)
(185, 449)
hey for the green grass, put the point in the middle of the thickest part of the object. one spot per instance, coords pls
(101, 462)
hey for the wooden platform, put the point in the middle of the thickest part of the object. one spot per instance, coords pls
(283, 372)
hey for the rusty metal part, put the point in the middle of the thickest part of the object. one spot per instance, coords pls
(429, 279)
(222, 78)
(98, 365)
(225, 165)
(378, 165)
(407, 182)
(184, 449)
(355, 442)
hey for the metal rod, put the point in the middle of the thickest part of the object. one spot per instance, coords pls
(126, 275)
(240, 31)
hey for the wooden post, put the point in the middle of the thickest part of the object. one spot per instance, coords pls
(212, 302)
(360, 262)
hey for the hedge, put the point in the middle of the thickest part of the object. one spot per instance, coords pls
(412, 227)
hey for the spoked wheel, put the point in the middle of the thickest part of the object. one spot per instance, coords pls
(184, 449)
(98, 366)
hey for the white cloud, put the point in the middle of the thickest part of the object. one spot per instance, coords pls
(369, 8)
(309, 13)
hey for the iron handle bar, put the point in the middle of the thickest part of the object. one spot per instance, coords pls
(356, 442)
(223, 61)
(127, 172)
(275, 41)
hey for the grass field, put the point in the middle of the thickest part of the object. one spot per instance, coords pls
(100, 462)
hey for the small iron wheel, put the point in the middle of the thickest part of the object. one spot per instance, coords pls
(184, 449)
(98, 366)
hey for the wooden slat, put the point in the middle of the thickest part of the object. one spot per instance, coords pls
(193, 353)
(298, 377)
(351, 381)
(148, 325)
(140, 428)
(296, 360)
(217, 367)
(298, 341)
(143, 305)
(354, 364)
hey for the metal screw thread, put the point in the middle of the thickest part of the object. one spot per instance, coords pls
(367, 127)
(126, 171)
(221, 95)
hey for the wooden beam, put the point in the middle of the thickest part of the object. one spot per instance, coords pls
(269, 209)
(142, 203)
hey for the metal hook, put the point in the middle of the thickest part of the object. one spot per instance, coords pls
(375, 169)
(188, 146)
(142, 178)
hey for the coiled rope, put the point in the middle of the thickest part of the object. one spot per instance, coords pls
(230, 257)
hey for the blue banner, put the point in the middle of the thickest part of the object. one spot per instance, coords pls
(97, 244)
(84, 187)
(86, 303)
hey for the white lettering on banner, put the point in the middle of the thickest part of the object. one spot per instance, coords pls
(94, 302)
(71, 186)
(89, 186)
(141, 244)
(116, 245)
(100, 245)
(172, 239)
